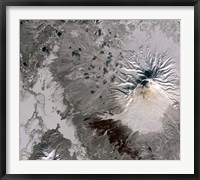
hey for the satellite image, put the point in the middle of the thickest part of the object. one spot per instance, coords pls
(100, 89)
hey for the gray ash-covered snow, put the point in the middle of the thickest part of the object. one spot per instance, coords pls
(99, 89)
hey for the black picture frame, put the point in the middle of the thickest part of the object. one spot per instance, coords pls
(6, 3)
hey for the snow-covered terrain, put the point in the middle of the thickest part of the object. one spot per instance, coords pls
(99, 89)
